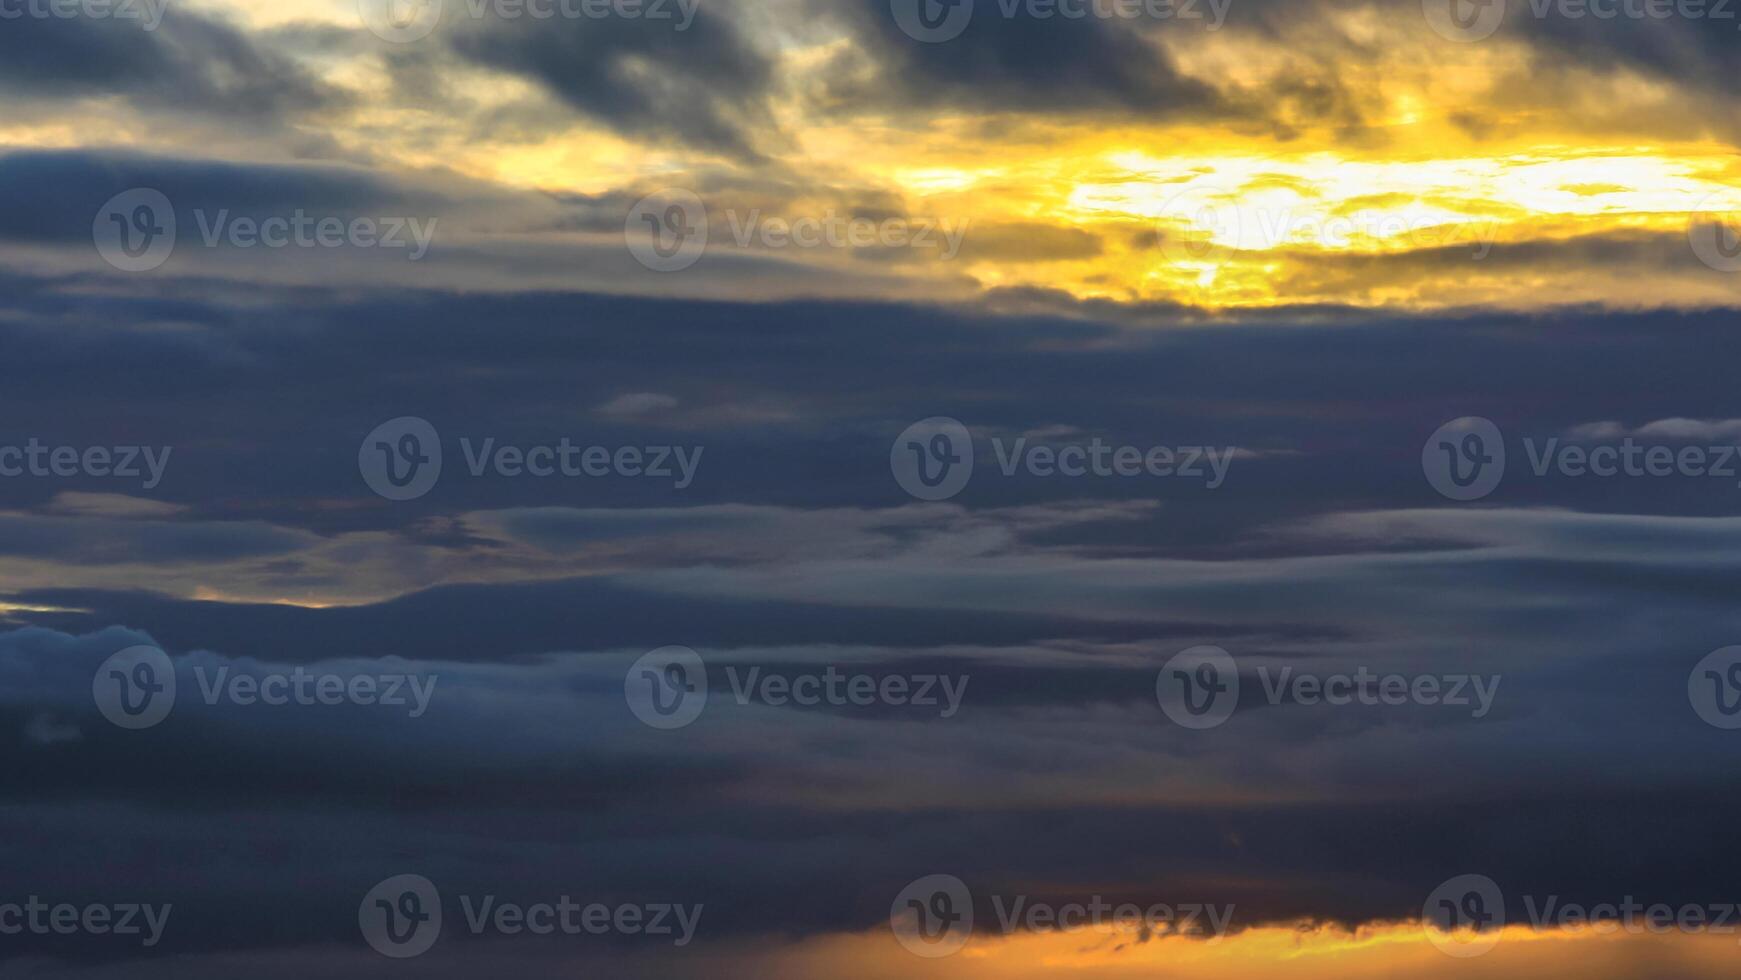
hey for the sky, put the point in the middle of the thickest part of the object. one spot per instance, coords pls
(1001, 489)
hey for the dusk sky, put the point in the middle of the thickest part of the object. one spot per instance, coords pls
(862, 489)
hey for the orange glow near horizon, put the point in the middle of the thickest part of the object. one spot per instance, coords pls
(1305, 952)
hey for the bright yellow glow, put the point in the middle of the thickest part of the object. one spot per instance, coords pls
(1421, 175)
(1305, 952)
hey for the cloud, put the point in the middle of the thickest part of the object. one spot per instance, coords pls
(75, 504)
(1019, 64)
(1717, 431)
(190, 63)
(705, 86)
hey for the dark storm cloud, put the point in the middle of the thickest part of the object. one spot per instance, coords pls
(706, 85)
(53, 196)
(1691, 43)
(566, 791)
(793, 421)
(188, 63)
(1325, 548)
(779, 873)
(1017, 64)
(100, 541)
